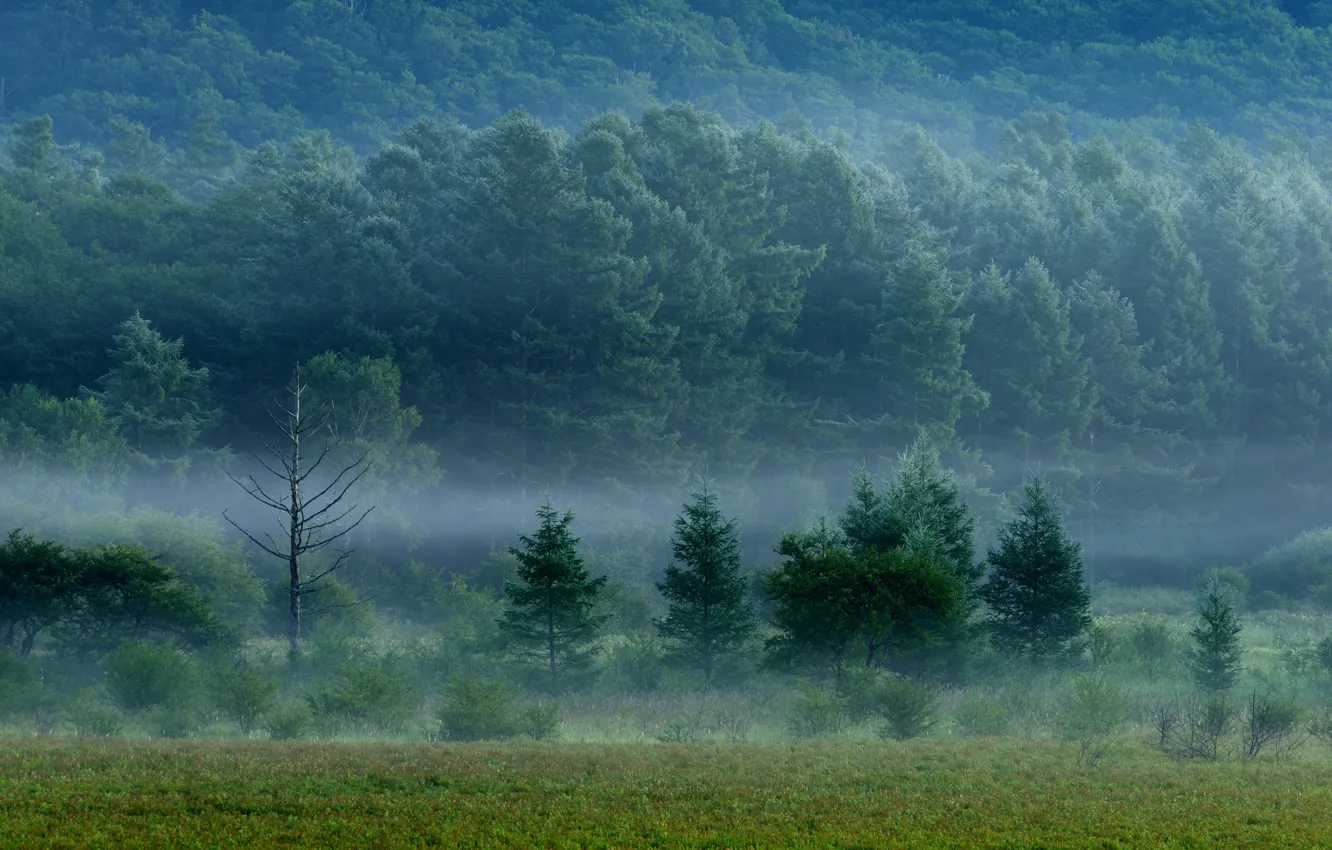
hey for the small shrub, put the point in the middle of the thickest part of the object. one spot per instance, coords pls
(1299, 659)
(909, 709)
(815, 713)
(1153, 646)
(1294, 567)
(1321, 596)
(1271, 723)
(1197, 730)
(144, 676)
(1232, 578)
(1323, 651)
(174, 721)
(638, 664)
(540, 721)
(734, 722)
(1103, 644)
(477, 710)
(981, 715)
(92, 718)
(20, 690)
(685, 729)
(1091, 714)
(244, 697)
(368, 697)
(289, 721)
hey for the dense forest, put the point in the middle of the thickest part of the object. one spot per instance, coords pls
(601, 251)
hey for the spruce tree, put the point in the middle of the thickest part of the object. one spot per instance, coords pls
(551, 614)
(710, 615)
(1038, 601)
(1214, 658)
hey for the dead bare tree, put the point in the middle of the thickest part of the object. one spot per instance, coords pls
(309, 523)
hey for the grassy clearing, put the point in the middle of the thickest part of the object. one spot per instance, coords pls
(1010, 793)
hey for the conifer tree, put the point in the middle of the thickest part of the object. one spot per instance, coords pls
(551, 614)
(1214, 658)
(1038, 601)
(710, 615)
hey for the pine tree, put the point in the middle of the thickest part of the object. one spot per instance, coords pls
(1038, 601)
(551, 613)
(710, 616)
(1214, 658)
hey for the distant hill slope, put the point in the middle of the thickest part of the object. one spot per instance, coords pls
(212, 75)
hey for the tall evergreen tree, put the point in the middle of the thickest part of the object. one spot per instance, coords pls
(1038, 601)
(551, 613)
(1214, 658)
(710, 616)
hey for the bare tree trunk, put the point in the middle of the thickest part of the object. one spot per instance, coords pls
(310, 522)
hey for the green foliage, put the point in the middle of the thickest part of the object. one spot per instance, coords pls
(710, 616)
(1152, 645)
(1037, 598)
(540, 721)
(144, 676)
(909, 708)
(289, 721)
(551, 606)
(1091, 714)
(475, 709)
(93, 600)
(1296, 566)
(832, 604)
(90, 717)
(244, 696)
(636, 664)
(980, 715)
(152, 395)
(365, 698)
(1214, 658)
(815, 713)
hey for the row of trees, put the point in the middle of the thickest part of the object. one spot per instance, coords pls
(892, 580)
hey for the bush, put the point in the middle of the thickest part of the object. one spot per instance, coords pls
(1103, 644)
(816, 713)
(1232, 579)
(540, 721)
(1271, 723)
(244, 697)
(637, 664)
(1091, 714)
(368, 697)
(289, 721)
(175, 721)
(1196, 730)
(144, 676)
(1294, 567)
(1323, 651)
(20, 690)
(477, 710)
(1153, 646)
(909, 709)
(90, 717)
(981, 715)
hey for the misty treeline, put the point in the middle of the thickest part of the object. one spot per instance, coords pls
(185, 87)
(518, 309)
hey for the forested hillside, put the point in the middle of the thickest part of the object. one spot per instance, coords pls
(514, 260)
(209, 77)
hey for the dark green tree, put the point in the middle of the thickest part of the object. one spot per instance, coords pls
(1038, 600)
(1214, 658)
(831, 602)
(710, 616)
(552, 606)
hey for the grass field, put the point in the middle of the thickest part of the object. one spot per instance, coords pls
(991, 793)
